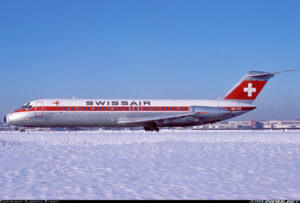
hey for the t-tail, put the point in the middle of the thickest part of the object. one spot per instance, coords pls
(249, 87)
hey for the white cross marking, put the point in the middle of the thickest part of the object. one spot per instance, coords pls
(249, 89)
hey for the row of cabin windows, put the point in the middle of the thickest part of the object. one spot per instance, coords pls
(123, 108)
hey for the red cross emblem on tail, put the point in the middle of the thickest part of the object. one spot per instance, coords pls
(246, 90)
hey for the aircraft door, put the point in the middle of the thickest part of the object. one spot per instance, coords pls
(39, 108)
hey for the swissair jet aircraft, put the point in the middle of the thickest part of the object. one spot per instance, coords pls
(150, 114)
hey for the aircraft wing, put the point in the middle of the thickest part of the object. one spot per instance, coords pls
(195, 111)
(152, 118)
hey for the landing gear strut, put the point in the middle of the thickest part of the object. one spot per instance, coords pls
(151, 127)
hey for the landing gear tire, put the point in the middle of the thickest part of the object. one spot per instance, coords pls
(146, 128)
(22, 130)
(152, 127)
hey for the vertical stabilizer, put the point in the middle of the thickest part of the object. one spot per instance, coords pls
(249, 87)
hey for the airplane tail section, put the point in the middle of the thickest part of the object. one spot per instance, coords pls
(249, 87)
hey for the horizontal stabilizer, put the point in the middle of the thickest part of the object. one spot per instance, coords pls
(269, 74)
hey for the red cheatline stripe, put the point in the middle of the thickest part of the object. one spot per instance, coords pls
(107, 108)
(126, 108)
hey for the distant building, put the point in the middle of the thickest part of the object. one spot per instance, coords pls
(251, 124)
(280, 124)
(5, 127)
(230, 125)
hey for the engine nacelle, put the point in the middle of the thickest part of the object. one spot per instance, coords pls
(208, 110)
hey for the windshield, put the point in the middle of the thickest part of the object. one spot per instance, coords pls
(26, 106)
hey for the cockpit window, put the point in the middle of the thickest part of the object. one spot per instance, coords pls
(26, 106)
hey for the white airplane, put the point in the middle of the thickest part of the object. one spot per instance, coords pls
(150, 114)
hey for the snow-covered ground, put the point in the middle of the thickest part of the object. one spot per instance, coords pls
(138, 165)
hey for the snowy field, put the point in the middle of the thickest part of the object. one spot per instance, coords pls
(138, 165)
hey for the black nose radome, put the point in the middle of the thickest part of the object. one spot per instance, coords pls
(5, 119)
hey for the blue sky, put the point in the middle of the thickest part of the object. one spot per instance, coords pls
(152, 49)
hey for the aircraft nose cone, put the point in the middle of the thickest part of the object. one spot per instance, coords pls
(16, 119)
(5, 119)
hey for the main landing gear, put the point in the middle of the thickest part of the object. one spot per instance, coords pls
(22, 130)
(151, 127)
